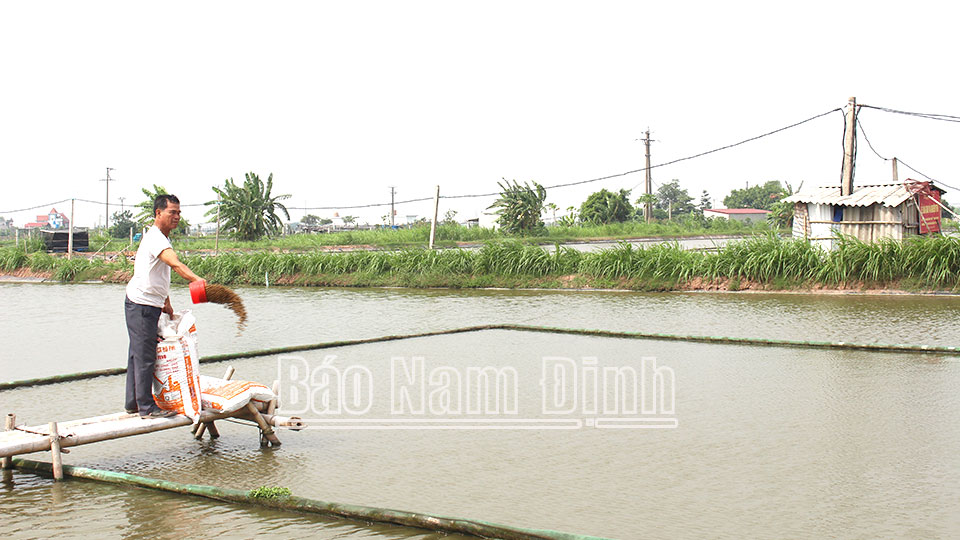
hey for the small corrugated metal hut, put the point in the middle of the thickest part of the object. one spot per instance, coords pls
(59, 241)
(869, 213)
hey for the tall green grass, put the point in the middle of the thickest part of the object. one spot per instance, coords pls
(767, 259)
(932, 261)
(12, 258)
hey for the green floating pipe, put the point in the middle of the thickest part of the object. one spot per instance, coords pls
(248, 354)
(869, 347)
(368, 514)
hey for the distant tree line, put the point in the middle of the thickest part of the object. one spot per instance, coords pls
(520, 207)
(250, 211)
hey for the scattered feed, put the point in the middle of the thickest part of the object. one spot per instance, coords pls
(218, 294)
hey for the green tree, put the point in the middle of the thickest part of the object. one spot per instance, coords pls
(250, 210)
(781, 212)
(606, 207)
(145, 216)
(122, 224)
(761, 197)
(449, 218)
(674, 199)
(310, 219)
(552, 207)
(570, 219)
(520, 207)
(646, 198)
(705, 202)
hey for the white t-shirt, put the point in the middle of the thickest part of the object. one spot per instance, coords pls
(150, 285)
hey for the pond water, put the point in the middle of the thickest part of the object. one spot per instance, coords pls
(769, 442)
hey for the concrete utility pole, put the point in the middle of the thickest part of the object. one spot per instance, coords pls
(121, 202)
(896, 177)
(108, 180)
(849, 148)
(216, 241)
(648, 206)
(433, 224)
(392, 211)
(70, 232)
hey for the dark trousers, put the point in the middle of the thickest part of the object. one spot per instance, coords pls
(142, 355)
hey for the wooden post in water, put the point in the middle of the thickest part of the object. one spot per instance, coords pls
(55, 452)
(10, 424)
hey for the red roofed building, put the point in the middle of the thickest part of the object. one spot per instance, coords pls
(737, 214)
(53, 220)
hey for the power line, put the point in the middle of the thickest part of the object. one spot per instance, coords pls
(568, 184)
(900, 161)
(925, 176)
(373, 205)
(701, 154)
(34, 207)
(618, 175)
(930, 116)
(862, 131)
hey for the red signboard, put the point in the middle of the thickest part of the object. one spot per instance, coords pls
(929, 211)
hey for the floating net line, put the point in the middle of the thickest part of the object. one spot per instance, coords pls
(721, 340)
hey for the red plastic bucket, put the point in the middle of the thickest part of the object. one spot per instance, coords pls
(198, 291)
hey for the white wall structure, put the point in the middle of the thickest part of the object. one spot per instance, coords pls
(737, 214)
(489, 221)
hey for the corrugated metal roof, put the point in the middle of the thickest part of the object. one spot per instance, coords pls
(885, 194)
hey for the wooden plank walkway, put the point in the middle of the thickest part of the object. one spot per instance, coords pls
(27, 439)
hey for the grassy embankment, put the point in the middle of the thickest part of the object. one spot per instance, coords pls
(452, 235)
(767, 262)
(448, 235)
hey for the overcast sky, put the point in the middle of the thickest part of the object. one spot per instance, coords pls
(342, 100)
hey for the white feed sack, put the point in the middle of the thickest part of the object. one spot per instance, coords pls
(225, 396)
(176, 377)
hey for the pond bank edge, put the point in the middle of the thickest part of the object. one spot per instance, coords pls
(576, 282)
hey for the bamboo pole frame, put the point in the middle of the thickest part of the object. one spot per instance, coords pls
(11, 422)
(202, 426)
(56, 459)
(266, 432)
(119, 425)
(275, 402)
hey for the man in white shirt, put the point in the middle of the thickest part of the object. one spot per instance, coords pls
(148, 295)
